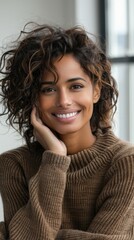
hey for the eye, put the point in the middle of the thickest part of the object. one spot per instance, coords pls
(47, 90)
(77, 86)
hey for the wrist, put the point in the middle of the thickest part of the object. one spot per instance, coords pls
(55, 159)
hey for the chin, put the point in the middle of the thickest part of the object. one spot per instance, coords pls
(66, 132)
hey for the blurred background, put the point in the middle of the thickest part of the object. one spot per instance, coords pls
(111, 21)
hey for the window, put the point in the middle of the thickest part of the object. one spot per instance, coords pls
(117, 29)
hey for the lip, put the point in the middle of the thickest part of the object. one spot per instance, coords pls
(65, 111)
(66, 119)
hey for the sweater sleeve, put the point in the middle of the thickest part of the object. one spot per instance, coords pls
(40, 217)
(2, 231)
(114, 219)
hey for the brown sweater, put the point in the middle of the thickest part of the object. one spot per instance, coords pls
(88, 195)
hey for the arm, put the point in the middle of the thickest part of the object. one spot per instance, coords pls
(40, 217)
(114, 219)
(2, 231)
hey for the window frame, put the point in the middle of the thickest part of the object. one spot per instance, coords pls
(128, 60)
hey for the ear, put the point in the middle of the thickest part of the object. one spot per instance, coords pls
(97, 92)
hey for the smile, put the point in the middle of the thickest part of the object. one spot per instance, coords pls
(67, 115)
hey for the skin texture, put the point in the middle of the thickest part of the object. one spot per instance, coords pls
(73, 93)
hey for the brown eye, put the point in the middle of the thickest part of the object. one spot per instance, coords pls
(77, 86)
(48, 90)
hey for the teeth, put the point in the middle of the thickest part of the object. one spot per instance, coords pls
(68, 115)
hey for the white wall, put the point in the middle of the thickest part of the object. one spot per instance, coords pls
(15, 13)
(86, 14)
(13, 16)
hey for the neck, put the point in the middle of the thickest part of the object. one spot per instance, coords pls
(76, 142)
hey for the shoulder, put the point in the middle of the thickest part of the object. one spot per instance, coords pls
(119, 153)
(112, 146)
(118, 147)
(21, 153)
(22, 159)
(17, 155)
(122, 161)
(124, 150)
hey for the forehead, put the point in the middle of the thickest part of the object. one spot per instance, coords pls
(66, 66)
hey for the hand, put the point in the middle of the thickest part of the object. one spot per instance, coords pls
(45, 136)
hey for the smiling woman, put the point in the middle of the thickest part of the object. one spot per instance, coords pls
(74, 178)
(67, 105)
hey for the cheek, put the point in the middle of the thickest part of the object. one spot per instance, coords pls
(87, 100)
(43, 111)
(43, 104)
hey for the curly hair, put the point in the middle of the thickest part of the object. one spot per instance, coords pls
(34, 51)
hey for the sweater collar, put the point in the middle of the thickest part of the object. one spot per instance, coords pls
(87, 161)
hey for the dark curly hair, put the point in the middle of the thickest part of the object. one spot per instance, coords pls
(22, 67)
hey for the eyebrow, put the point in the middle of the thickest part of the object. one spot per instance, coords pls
(69, 80)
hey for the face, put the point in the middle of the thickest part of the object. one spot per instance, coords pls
(67, 106)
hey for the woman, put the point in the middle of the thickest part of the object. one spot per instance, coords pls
(74, 178)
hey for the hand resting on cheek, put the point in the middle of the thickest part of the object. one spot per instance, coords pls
(45, 136)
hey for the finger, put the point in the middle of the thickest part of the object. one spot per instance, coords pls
(33, 115)
(38, 116)
(39, 138)
(35, 119)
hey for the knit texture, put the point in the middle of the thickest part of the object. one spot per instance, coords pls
(88, 195)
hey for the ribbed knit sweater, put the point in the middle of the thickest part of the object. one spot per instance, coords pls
(88, 195)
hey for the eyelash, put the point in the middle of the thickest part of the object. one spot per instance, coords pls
(49, 90)
(77, 86)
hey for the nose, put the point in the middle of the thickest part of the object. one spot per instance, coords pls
(64, 99)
